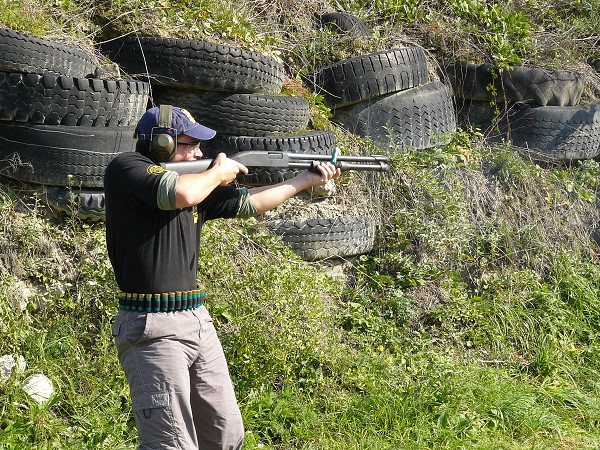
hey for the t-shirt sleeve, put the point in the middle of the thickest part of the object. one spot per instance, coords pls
(246, 209)
(166, 197)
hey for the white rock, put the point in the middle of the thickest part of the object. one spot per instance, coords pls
(19, 294)
(10, 362)
(39, 387)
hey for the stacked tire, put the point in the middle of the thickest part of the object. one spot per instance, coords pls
(327, 237)
(536, 110)
(59, 124)
(387, 96)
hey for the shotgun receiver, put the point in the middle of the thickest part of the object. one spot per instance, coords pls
(286, 160)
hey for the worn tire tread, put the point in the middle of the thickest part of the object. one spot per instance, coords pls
(196, 64)
(327, 237)
(23, 52)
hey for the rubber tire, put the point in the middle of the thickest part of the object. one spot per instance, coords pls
(196, 64)
(316, 142)
(558, 133)
(61, 155)
(546, 133)
(522, 84)
(240, 114)
(595, 63)
(22, 52)
(85, 204)
(357, 79)
(61, 100)
(420, 118)
(343, 22)
(334, 237)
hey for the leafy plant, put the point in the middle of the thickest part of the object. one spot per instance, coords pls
(405, 11)
(503, 31)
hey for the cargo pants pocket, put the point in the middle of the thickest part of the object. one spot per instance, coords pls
(151, 407)
(130, 328)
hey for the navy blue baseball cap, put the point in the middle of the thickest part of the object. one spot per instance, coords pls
(182, 123)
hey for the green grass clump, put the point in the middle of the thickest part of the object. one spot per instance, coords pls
(63, 332)
(276, 326)
(66, 21)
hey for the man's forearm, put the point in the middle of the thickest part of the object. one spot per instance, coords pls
(265, 198)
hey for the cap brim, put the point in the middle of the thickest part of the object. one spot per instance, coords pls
(200, 132)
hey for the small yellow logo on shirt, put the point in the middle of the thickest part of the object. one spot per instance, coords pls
(155, 169)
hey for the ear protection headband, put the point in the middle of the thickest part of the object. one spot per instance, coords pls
(162, 145)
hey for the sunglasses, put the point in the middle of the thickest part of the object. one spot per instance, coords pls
(189, 144)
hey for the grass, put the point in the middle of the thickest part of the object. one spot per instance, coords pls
(473, 324)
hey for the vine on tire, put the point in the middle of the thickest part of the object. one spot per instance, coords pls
(543, 87)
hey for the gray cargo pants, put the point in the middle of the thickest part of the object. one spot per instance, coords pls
(181, 392)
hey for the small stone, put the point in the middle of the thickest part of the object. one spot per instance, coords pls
(39, 387)
(10, 362)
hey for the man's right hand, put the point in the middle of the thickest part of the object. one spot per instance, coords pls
(228, 168)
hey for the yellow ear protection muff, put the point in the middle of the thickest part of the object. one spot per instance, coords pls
(163, 145)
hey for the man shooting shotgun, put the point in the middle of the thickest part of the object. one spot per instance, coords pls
(181, 392)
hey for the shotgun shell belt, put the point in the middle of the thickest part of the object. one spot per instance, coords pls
(165, 302)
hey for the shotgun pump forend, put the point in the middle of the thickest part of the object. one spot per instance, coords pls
(285, 160)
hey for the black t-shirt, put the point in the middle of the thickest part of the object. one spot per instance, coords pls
(153, 250)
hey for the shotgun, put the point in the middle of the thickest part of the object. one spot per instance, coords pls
(286, 160)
